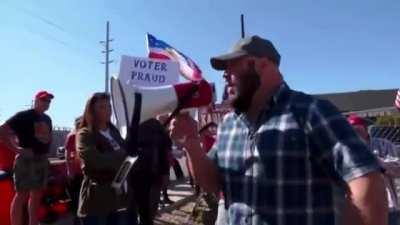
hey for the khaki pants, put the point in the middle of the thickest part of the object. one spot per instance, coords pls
(30, 173)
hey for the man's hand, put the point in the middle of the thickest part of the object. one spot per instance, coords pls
(184, 130)
(185, 134)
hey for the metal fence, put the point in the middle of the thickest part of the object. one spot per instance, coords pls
(389, 133)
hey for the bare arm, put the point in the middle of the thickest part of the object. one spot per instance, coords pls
(184, 132)
(204, 169)
(8, 137)
(368, 204)
(341, 149)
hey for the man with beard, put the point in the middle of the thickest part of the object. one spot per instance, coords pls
(283, 157)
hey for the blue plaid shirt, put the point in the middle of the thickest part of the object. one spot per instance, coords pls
(280, 171)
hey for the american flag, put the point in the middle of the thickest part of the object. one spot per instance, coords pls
(397, 101)
(158, 49)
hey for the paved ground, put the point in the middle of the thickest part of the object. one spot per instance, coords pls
(177, 215)
(179, 212)
(179, 190)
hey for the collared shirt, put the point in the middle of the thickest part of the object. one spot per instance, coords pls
(280, 171)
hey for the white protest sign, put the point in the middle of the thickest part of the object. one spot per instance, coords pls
(138, 71)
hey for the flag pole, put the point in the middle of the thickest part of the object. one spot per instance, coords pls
(225, 94)
(242, 24)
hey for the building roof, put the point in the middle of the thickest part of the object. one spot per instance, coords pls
(362, 100)
(365, 103)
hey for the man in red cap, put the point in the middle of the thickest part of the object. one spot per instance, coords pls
(28, 133)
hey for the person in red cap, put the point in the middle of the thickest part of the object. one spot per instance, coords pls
(388, 157)
(359, 125)
(32, 129)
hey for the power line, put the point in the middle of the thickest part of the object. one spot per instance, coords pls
(66, 44)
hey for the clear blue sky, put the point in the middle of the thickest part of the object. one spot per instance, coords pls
(326, 47)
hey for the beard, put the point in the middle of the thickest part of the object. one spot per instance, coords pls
(246, 86)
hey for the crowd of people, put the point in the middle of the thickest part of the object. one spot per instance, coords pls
(94, 152)
(280, 157)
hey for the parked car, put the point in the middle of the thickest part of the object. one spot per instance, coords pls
(55, 201)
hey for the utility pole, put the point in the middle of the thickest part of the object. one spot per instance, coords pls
(107, 51)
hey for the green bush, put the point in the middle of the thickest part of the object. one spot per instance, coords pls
(388, 121)
(397, 121)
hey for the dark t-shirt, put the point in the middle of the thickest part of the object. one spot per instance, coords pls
(33, 130)
(154, 144)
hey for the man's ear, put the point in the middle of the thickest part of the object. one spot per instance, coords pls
(260, 64)
(265, 64)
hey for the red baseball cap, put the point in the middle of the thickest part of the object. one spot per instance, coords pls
(44, 95)
(356, 120)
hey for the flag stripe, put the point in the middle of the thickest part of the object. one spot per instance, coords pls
(397, 101)
(156, 55)
(161, 50)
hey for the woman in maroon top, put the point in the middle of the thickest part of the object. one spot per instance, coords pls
(74, 171)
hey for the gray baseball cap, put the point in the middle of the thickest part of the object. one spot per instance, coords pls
(253, 46)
